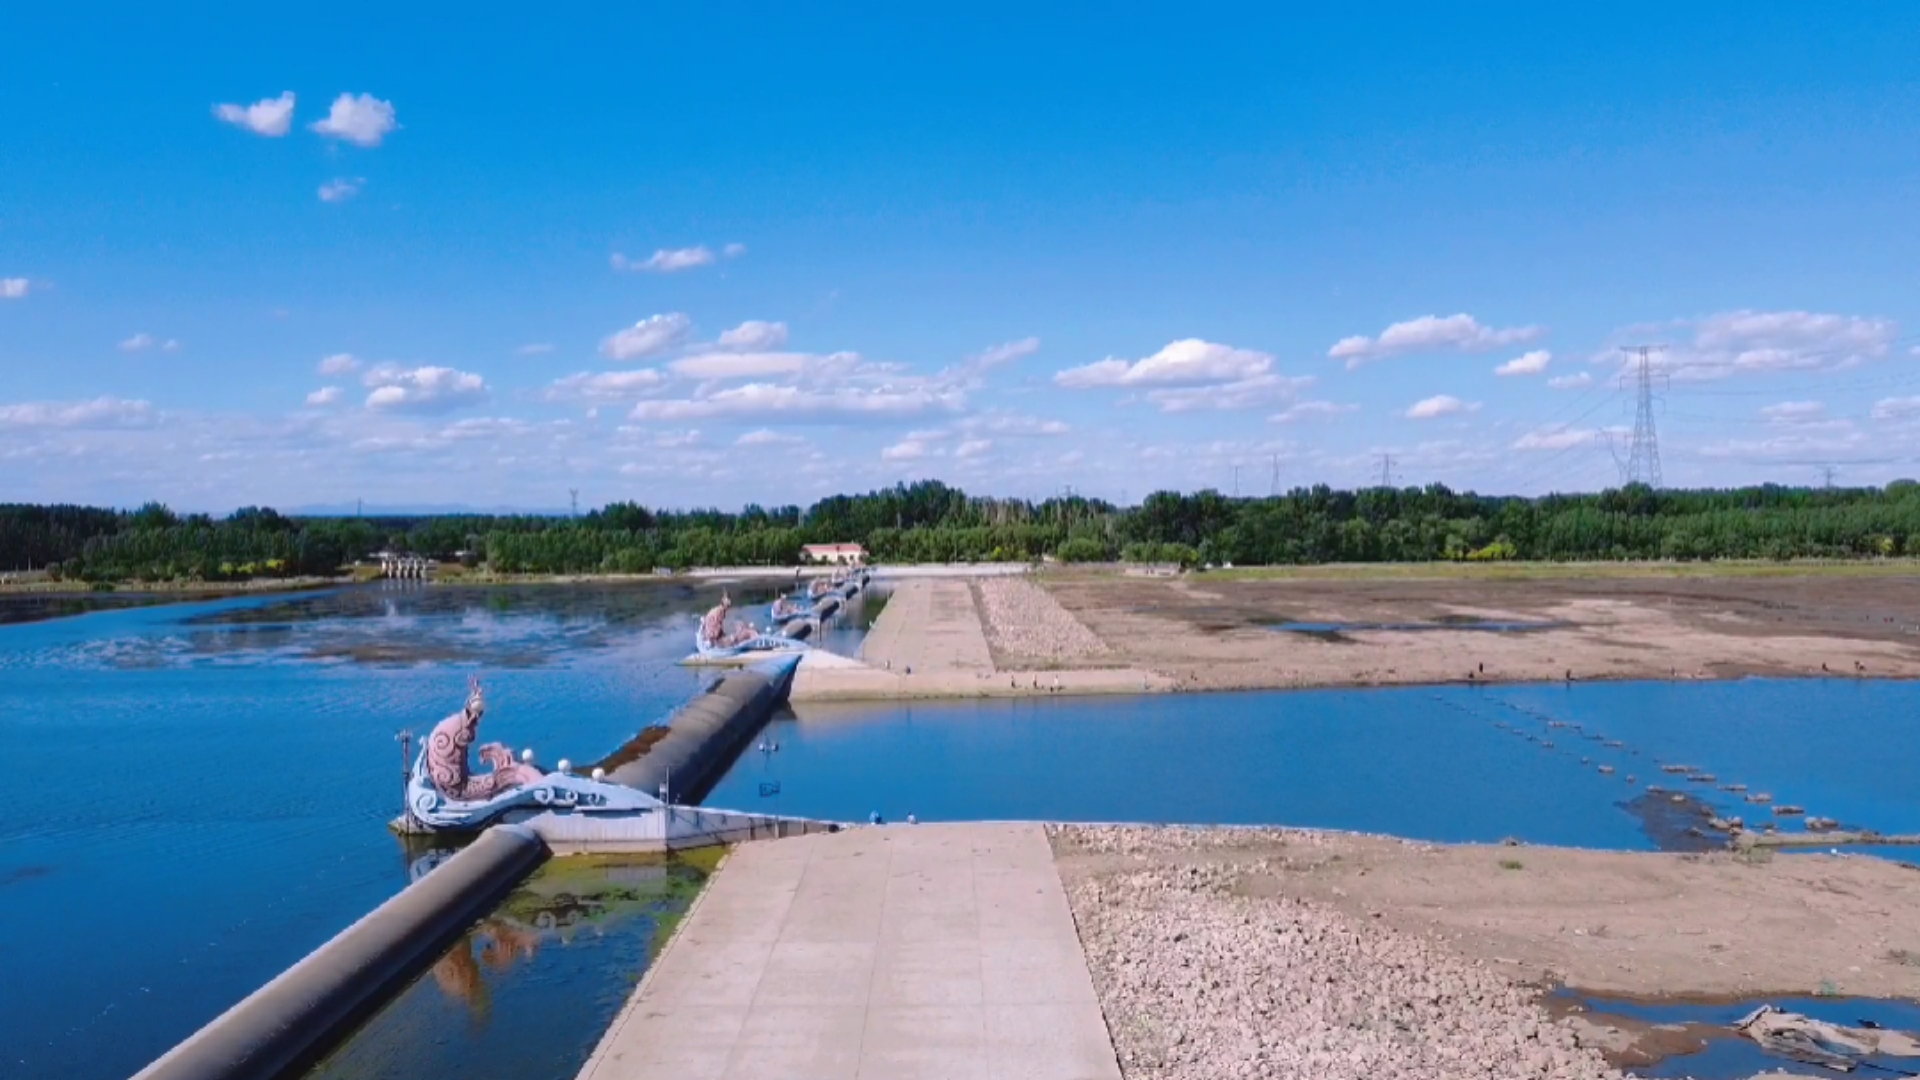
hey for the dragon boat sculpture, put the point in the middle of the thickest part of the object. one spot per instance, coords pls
(716, 641)
(444, 794)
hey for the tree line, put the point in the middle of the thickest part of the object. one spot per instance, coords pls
(929, 521)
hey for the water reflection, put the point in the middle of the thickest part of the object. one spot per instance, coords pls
(526, 993)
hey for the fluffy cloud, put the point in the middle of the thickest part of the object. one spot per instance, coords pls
(734, 251)
(339, 364)
(1555, 438)
(1529, 363)
(341, 188)
(1188, 362)
(1004, 353)
(1261, 390)
(755, 336)
(325, 396)
(803, 403)
(666, 261)
(1570, 382)
(650, 336)
(271, 117)
(99, 412)
(1430, 333)
(360, 119)
(1311, 410)
(1896, 408)
(741, 365)
(973, 448)
(1439, 405)
(1739, 342)
(139, 342)
(1793, 412)
(907, 450)
(605, 386)
(14, 288)
(1013, 426)
(427, 389)
(766, 437)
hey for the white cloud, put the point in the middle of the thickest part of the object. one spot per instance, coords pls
(605, 386)
(839, 402)
(1753, 342)
(339, 364)
(99, 412)
(1430, 333)
(1570, 382)
(1004, 353)
(734, 251)
(665, 261)
(755, 336)
(1439, 405)
(1311, 410)
(1187, 362)
(972, 448)
(360, 119)
(139, 342)
(271, 117)
(341, 188)
(536, 348)
(14, 288)
(426, 389)
(170, 345)
(326, 395)
(1529, 363)
(741, 365)
(766, 437)
(906, 450)
(1896, 408)
(1793, 412)
(1259, 391)
(650, 336)
(1013, 425)
(1555, 438)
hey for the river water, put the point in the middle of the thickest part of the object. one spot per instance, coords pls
(201, 790)
(1441, 763)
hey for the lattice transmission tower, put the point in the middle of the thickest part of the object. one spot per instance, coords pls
(1643, 455)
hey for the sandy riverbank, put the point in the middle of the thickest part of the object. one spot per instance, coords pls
(1108, 632)
(1229, 952)
(1214, 632)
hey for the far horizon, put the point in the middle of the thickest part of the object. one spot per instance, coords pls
(1334, 248)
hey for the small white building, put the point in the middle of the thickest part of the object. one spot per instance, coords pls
(837, 554)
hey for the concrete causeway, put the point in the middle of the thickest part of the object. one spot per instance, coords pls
(900, 952)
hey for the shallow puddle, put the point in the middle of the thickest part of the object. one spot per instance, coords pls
(1698, 1040)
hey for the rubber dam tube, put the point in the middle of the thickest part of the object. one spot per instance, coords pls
(289, 1023)
(703, 738)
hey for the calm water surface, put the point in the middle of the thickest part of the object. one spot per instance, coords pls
(1449, 763)
(204, 788)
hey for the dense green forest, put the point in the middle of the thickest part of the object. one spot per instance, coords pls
(931, 522)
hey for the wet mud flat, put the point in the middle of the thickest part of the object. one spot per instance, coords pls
(1341, 953)
(1217, 631)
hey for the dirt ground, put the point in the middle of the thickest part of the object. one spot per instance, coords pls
(1641, 925)
(1213, 631)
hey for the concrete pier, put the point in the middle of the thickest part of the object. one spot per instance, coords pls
(899, 952)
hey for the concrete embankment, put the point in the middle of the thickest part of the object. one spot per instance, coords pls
(931, 642)
(288, 1023)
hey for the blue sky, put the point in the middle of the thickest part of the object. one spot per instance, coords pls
(747, 253)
